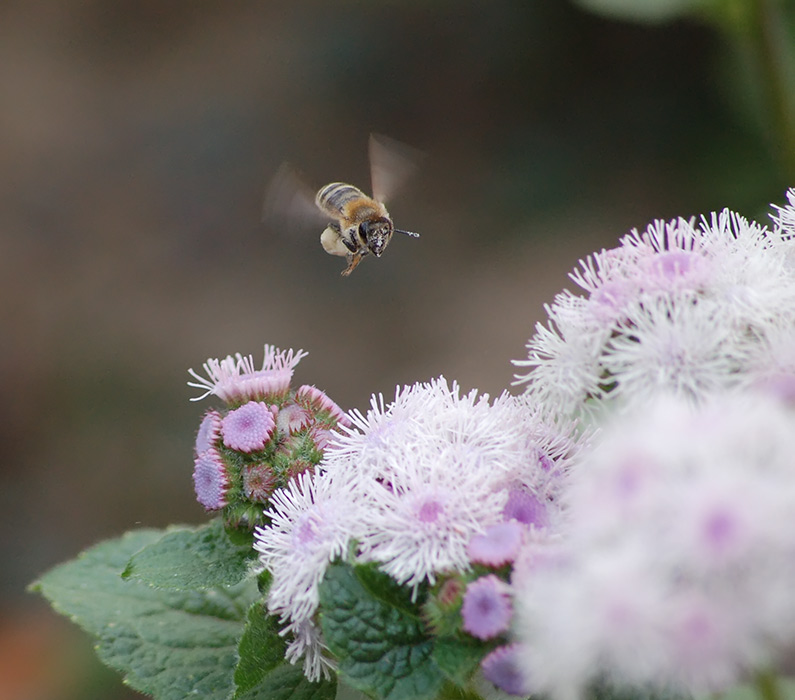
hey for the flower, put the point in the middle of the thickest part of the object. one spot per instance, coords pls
(292, 418)
(525, 507)
(209, 432)
(685, 347)
(210, 479)
(313, 398)
(435, 418)
(498, 545)
(503, 668)
(682, 306)
(235, 380)
(249, 427)
(434, 469)
(307, 643)
(677, 554)
(421, 522)
(486, 610)
(312, 521)
(259, 482)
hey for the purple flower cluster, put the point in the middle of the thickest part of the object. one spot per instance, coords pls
(266, 436)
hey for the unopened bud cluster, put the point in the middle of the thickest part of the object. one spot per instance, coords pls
(266, 435)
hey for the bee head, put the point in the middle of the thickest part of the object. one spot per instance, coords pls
(376, 233)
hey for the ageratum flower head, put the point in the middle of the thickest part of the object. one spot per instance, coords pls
(487, 608)
(235, 380)
(311, 523)
(435, 468)
(266, 435)
(503, 668)
(676, 563)
(681, 307)
(410, 486)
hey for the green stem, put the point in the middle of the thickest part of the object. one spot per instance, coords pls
(767, 687)
(772, 46)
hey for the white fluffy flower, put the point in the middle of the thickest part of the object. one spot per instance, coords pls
(421, 522)
(312, 521)
(411, 484)
(307, 643)
(678, 307)
(678, 557)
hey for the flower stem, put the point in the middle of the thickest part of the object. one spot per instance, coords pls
(773, 48)
(767, 687)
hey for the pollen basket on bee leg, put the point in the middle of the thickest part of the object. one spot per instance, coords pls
(331, 240)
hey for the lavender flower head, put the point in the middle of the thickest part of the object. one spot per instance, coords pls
(435, 468)
(235, 379)
(211, 480)
(682, 307)
(487, 608)
(267, 435)
(249, 427)
(503, 668)
(413, 484)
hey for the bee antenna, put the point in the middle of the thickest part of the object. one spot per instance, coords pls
(408, 233)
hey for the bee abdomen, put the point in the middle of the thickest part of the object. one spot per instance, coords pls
(333, 197)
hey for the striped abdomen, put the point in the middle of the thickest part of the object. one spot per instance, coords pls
(342, 201)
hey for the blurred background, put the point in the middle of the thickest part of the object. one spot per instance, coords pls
(137, 140)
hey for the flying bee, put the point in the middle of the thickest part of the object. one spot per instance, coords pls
(360, 225)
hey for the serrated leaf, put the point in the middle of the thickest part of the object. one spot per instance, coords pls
(385, 588)
(262, 673)
(172, 645)
(187, 559)
(287, 682)
(458, 659)
(381, 648)
(345, 692)
(261, 648)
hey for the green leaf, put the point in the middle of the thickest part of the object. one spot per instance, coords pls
(187, 559)
(261, 648)
(458, 659)
(376, 634)
(287, 682)
(262, 673)
(345, 692)
(172, 645)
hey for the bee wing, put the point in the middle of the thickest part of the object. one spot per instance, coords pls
(290, 201)
(391, 164)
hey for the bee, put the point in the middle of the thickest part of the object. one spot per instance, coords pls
(360, 225)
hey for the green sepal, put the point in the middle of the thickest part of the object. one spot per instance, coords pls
(190, 559)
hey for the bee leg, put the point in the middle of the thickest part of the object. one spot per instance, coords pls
(353, 260)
